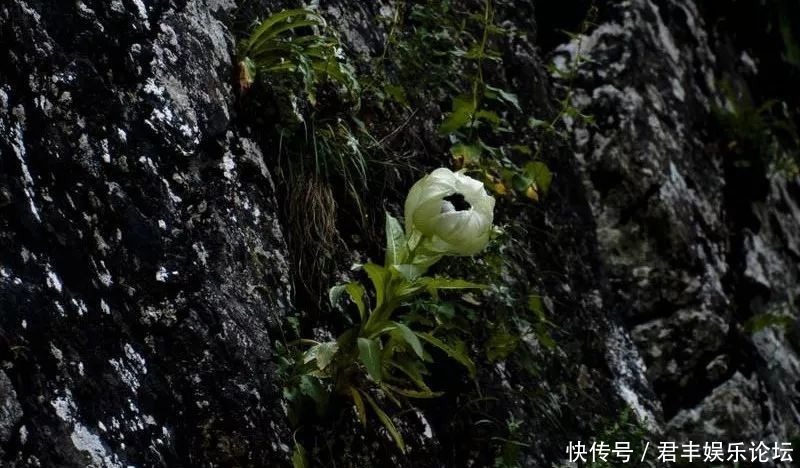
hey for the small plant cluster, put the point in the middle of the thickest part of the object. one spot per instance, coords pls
(295, 61)
(453, 50)
(279, 45)
(438, 55)
(763, 134)
(384, 353)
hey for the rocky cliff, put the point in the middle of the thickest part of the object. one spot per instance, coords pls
(148, 274)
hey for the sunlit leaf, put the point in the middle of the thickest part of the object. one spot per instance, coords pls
(395, 242)
(325, 353)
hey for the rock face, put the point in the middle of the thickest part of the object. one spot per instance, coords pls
(136, 226)
(693, 248)
(144, 274)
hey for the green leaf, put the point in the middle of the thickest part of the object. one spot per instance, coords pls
(540, 173)
(759, 322)
(397, 92)
(380, 277)
(356, 293)
(387, 423)
(299, 458)
(312, 388)
(463, 110)
(410, 338)
(488, 116)
(543, 336)
(410, 368)
(500, 345)
(524, 149)
(504, 95)
(520, 182)
(395, 242)
(455, 352)
(413, 393)
(335, 293)
(325, 353)
(536, 123)
(433, 285)
(354, 290)
(359, 404)
(369, 352)
(471, 154)
(536, 306)
(290, 19)
(409, 272)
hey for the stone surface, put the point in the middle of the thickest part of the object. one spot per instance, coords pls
(686, 271)
(145, 277)
(137, 228)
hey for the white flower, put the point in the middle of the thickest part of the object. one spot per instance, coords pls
(452, 210)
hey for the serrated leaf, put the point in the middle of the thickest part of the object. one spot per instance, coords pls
(453, 351)
(387, 423)
(410, 338)
(395, 242)
(369, 352)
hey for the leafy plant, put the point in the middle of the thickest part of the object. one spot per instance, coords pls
(294, 41)
(440, 50)
(763, 133)
(384, 354)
